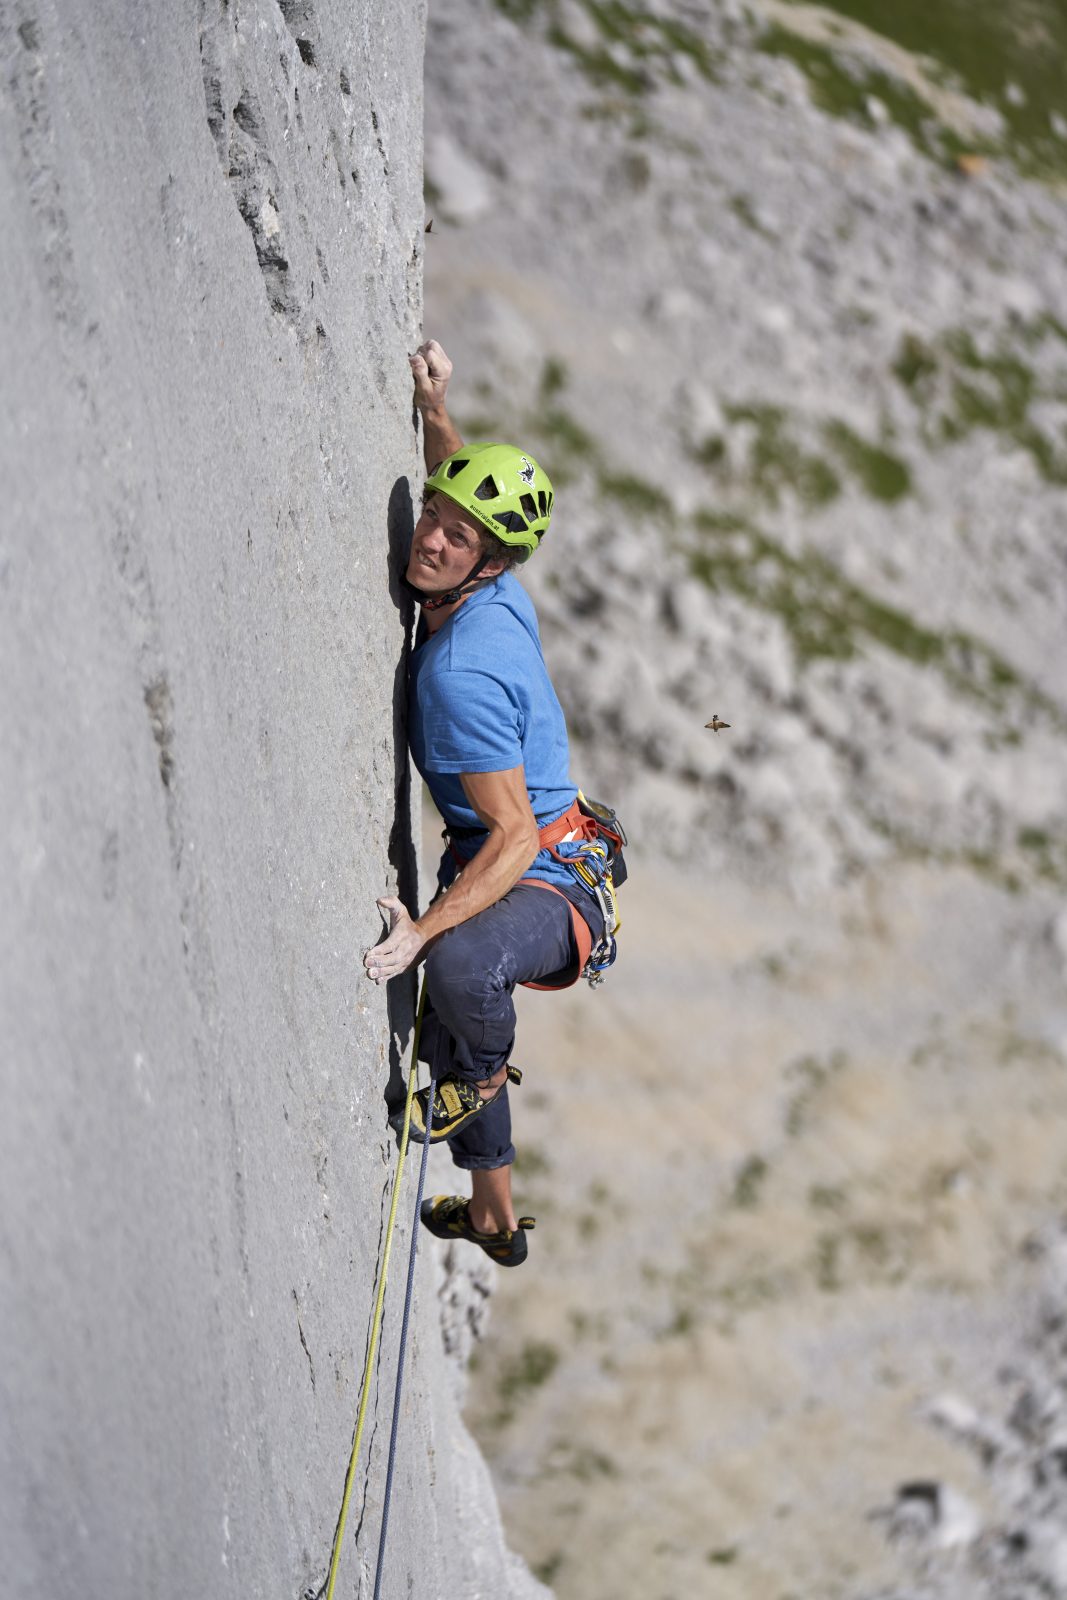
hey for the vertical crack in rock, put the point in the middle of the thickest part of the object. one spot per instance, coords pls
(303, 1340)
(157, 698)
(239, 127)
(160, 707)
(254, 179)
(378, 140)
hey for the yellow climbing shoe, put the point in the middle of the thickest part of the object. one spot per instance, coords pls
(455, 1102)
(447, 1216)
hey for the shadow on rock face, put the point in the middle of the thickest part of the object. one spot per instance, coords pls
(402, 996)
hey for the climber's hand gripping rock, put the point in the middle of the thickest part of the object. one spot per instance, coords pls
(430, 369)
(400, 950)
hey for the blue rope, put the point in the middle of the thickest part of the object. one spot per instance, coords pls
(404, 1331)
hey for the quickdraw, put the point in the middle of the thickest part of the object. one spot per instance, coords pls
(600, 867)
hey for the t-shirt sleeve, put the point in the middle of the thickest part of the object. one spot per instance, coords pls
(469, 723)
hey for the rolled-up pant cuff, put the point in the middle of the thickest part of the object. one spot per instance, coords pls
(472, 1163)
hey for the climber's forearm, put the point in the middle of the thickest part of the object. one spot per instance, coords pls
(440, 437)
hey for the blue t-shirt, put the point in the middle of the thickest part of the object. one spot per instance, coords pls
(480, 700)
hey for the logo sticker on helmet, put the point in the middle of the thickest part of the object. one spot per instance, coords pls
(527, 472)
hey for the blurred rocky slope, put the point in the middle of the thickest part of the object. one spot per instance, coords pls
(781, 301)
(211, 257)
(794, 1171)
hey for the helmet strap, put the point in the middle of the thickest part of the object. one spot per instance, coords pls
(433, 602)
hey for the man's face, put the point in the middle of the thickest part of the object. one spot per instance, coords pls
(445, 546)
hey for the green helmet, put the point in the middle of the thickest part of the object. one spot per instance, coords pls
(504, 490)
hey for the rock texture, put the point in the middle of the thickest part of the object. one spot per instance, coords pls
(211, 258)
(1016, 1430)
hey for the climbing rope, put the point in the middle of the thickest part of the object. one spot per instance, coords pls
(376, 1321)
(408, 1297)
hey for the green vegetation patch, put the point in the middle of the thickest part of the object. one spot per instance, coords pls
(811, 1074)
(548, 1569)
(588, 1464)
(599, 65)
(959, 387)
(883, 475)
(557, 437)
(843, 86)
(749, 1183)
(909, 847)
(1045, 854)
(554, 379)
(1010, 57)
(566, 441)
(827, 616)
(635, 495)
(533, 1366)
(638, 48)
(778, 461)
(742, 208)
(864, 1252)
(532, 1162)
(915, 365)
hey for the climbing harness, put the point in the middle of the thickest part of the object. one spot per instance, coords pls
(376, 1321)
(597, 839)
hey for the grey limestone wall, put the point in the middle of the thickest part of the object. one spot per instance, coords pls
(210, 254)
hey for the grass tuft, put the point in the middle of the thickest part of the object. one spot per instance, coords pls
(884, 476)
(960, 388)
(533, 1366)
(828, 617)
(636, 495)
(749, 1182)
(777, 462)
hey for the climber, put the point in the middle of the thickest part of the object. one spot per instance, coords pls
(488, 736)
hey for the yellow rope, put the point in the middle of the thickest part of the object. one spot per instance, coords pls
(376, 1323)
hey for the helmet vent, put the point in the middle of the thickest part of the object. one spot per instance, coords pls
(543, 502)
(456, 467)
(529, 505)
(511, 520)
(487, 490)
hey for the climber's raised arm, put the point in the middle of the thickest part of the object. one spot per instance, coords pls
(431, 370)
